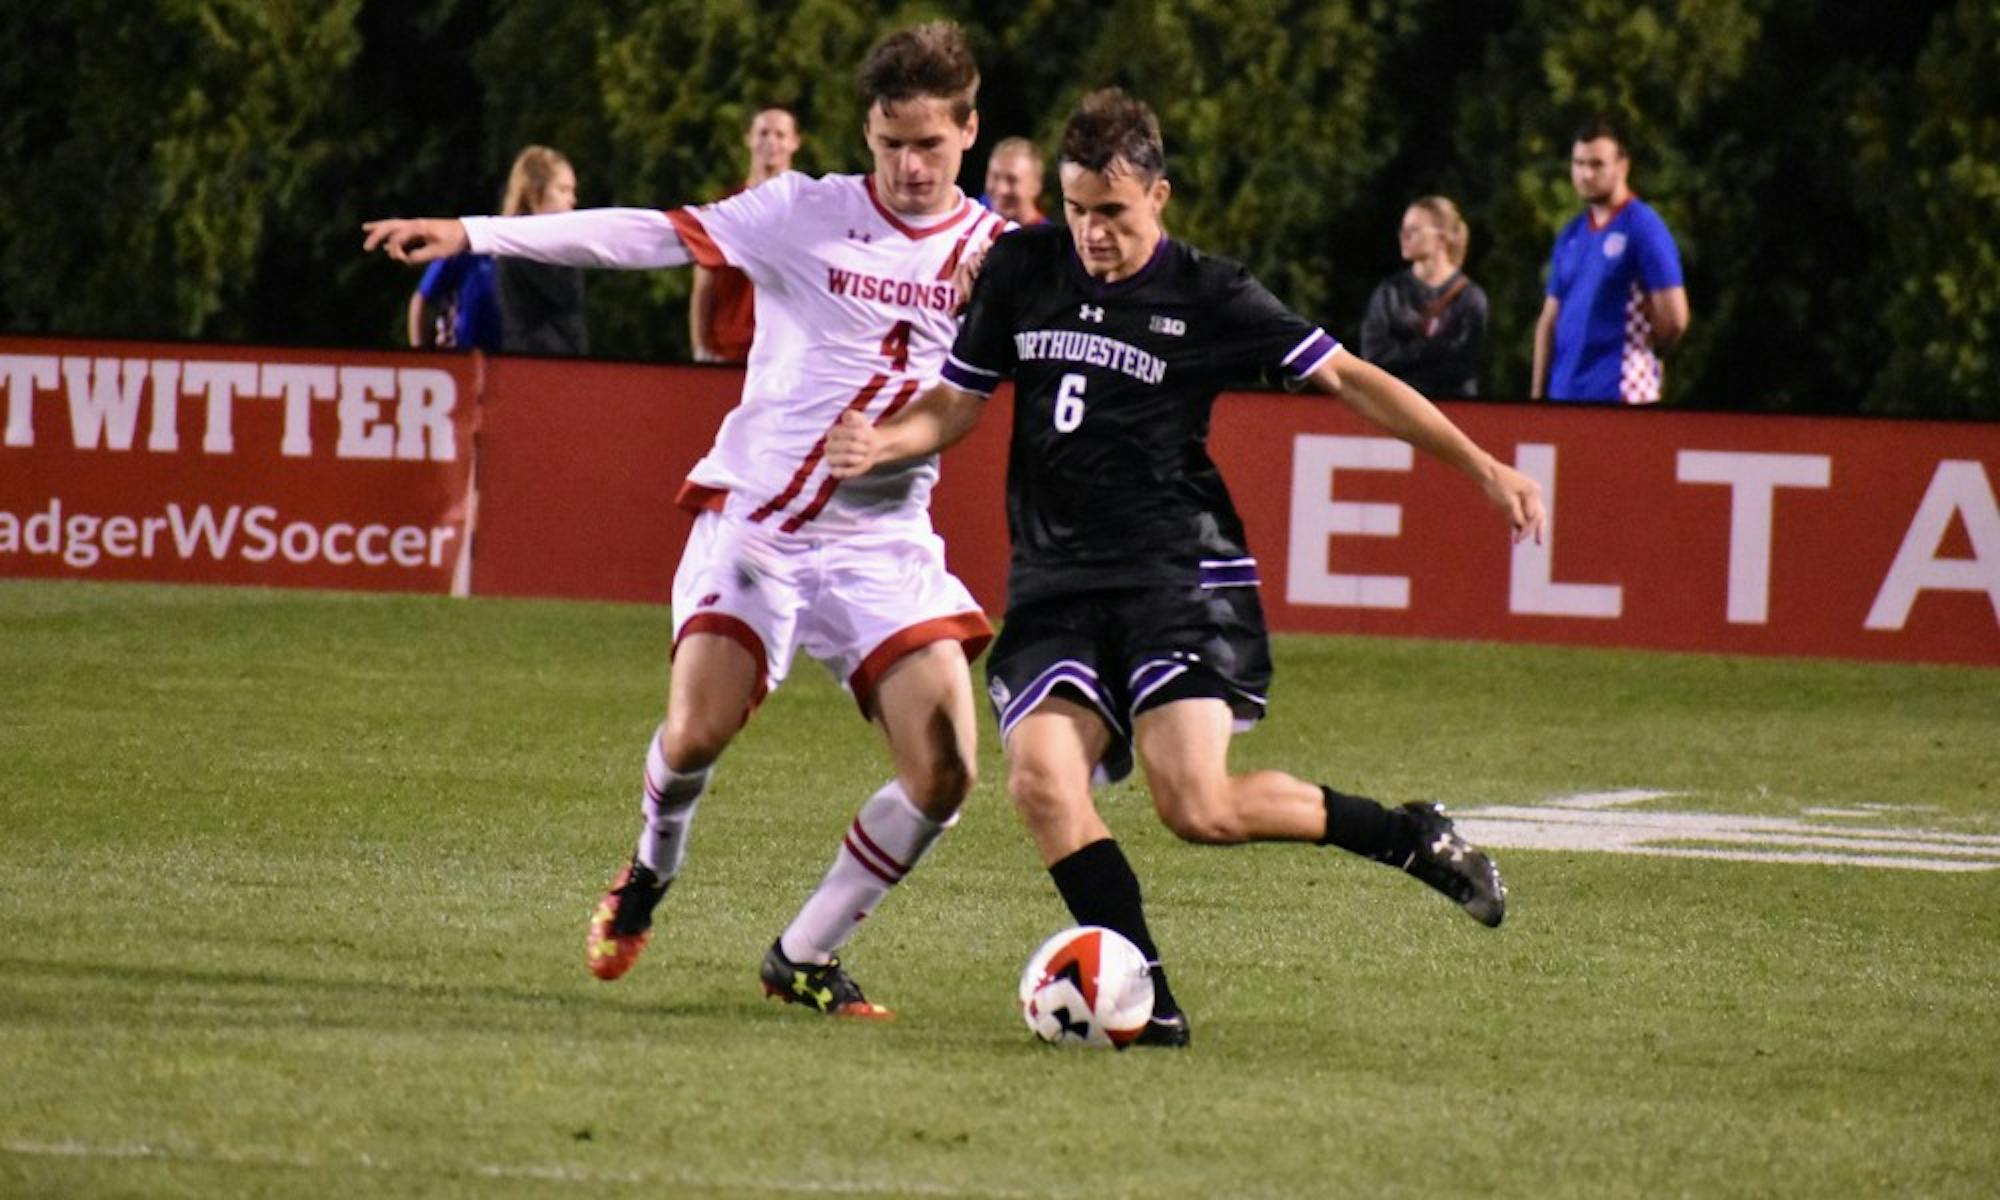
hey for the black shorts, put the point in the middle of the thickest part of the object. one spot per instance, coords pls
(1123, 652)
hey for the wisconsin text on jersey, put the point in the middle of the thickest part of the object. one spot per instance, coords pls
(902, 292)
(1091, 349)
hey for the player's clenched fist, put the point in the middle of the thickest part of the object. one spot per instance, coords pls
(851, 446)
(416, 239)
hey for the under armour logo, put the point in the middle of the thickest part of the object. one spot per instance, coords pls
(1080, 1030)
(1090, 312)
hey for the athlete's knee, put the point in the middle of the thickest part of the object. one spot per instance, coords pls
(691, 741)
(942, 784)
(1198, 812)
(1039, 794)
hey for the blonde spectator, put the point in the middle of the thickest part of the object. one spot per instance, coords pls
(1426, 324)
(541, 306)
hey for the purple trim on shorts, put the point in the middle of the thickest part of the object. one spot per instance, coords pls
(1067, 671)
(968, 378)
(1239, 572)
(1152, 676)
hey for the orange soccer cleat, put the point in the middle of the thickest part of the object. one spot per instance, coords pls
(623, 922)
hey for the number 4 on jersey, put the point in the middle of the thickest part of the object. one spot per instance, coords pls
(1069, 403)
(896, 346)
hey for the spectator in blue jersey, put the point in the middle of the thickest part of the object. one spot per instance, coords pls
(1615, 298)
(1427, 325)
(457, 306)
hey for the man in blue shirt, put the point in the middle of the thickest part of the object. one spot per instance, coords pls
(1615, 297)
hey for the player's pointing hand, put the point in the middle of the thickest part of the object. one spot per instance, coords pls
(1520, 497)
(851, 446)
(416, 239)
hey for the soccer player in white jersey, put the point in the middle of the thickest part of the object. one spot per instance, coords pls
(856, 302)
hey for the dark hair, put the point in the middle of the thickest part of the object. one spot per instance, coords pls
(1600, 126)
(1110, 126)
(931, 61)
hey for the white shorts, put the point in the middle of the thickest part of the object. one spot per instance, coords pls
(855, 602)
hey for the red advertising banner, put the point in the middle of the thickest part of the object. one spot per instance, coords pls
(1718, 532)
(1732, 533)
(580, 464)
(217, 464)
(1833, 537)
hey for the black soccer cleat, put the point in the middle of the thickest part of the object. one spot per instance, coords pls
(1169, 1031)
(622, 923)
(823, 987)
(1455, 866)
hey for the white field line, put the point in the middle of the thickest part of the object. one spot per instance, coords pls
(1824, 860)
(550, 1173)
(1598, 825)
(1596, 800)
(1709, 825)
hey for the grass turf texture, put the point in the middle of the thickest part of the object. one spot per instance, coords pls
(295, 887)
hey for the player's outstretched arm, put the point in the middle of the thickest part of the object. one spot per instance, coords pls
(1400, 409)
(621, 238)
(415, 239)
(935, 421)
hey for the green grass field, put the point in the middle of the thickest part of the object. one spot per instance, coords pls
(295, 887)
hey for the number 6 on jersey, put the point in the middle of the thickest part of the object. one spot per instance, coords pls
(1069, 403)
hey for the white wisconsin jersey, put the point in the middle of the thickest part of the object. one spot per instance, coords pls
(855, 310)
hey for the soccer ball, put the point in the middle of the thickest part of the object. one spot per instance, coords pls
(1089, 986)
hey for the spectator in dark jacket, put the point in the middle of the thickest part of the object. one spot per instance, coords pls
(541, 306)
(1427, 324)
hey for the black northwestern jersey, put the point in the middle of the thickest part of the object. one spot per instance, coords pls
(1109, 483)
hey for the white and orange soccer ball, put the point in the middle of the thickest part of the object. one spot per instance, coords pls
(1087, 986)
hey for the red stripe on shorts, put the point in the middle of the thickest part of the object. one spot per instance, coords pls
(970, 629)
(736, 630)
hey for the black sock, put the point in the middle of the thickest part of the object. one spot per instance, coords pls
(1360, 825)
(1100, 889)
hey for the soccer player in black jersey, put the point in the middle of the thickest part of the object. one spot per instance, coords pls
(1133, 624)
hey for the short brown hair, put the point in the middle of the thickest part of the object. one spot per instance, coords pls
(1110, 126)
(929, 61)
(1009, 147)
(1598, 125)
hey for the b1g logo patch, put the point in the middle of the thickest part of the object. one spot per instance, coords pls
(1171, 326)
